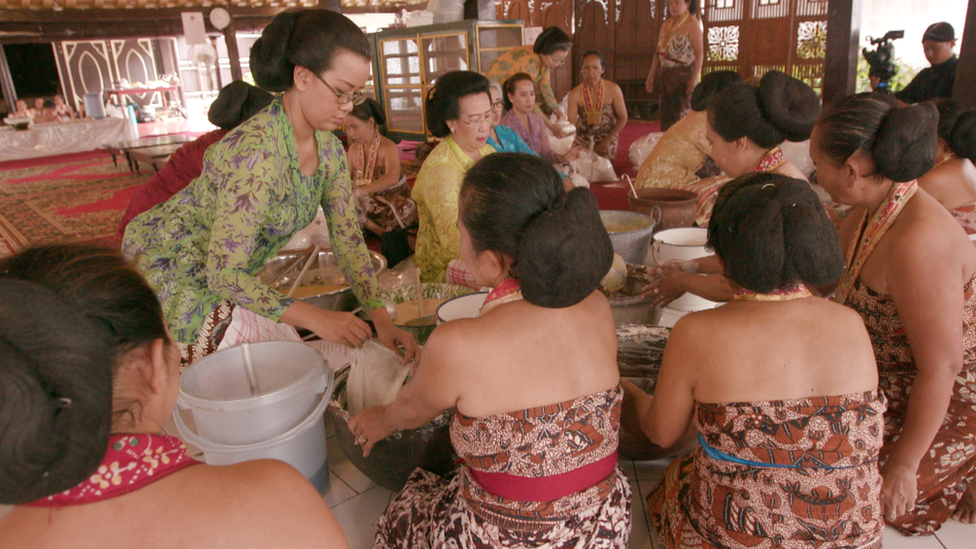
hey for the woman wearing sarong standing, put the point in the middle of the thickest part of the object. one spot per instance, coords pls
(597, 109)
(203, 249)
(910, 273)
(533, 380)
(678, 62)
(952, 181)
(783, 397)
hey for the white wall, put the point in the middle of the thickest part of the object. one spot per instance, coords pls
(912, 16)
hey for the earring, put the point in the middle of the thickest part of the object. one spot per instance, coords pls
(452, 130)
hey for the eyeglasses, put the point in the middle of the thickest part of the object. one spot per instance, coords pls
(356, 98)
(481, 120)
(497, 104)
(556, 63)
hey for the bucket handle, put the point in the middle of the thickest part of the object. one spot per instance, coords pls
(660, 215)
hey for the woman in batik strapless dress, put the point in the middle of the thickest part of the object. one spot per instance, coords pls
(784, 396)
(533, 380)
(910, 272)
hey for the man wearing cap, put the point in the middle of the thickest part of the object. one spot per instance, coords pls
(936, 81)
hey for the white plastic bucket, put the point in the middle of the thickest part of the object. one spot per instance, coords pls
(290, 378)
(684, 244)
(303, 447)
(465, 306)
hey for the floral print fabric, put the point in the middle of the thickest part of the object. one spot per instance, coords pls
(209, 241)
(824, 494)
(131, 462)
(523, 59)
(949, 467)
(435, 512)
(966, 217)
(536, 136)
(677, 156)
(436, 193)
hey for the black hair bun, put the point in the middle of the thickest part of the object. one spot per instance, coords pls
(270, 66)
(237, 102)
(710, 85)
(789, 104)
(55, 393)
(907, 142)
(963, 141)
(565, 252)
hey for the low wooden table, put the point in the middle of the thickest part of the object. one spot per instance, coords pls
(126, 147)
(156, 156)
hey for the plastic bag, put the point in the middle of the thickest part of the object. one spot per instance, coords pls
(317, 232)
(562, 145)
(376, 375)
(641, 148)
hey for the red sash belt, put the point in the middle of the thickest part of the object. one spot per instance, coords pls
(553, 487)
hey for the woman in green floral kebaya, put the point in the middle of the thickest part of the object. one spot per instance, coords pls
(202, 249)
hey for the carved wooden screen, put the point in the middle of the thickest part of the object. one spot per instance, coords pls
(544, 13)
(91, 66)
(756, 36)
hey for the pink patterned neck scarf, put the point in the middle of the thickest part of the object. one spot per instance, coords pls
(870, 232)
(132, 462)
(507, 291)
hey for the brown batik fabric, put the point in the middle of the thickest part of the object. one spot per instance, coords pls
(811, 477)
(966, 217)
(948, 468)
(585, 133)
(209, 337)
(434, 512)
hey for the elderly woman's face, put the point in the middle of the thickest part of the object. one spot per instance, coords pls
(359, 131)
(725, 153)
(473, 124)
(497, 105)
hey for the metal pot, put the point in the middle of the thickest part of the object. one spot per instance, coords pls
(630, 233)
(325, 270)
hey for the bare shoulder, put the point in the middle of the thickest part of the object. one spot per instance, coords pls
(292, 512)
(613, 87)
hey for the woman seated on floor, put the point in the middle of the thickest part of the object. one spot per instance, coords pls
(503, 138)
(88, 377)
(910, 273)
(682, 154)
(236, 102)
(952, 181)
(519, 100)
(533, 380)
(746, 125)
(382, 194)
(784, 397)
(596, 107)
(459, 111)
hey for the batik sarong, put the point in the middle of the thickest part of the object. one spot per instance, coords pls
(547, 441)
(784, 474)
(209, 337)
(587, 134)
(949, 467)
(966, 216)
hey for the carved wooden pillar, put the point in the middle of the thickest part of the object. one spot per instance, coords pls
(843, 49)
(230, 38)
(7, 83)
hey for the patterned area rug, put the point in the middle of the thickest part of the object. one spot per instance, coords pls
(64, 200)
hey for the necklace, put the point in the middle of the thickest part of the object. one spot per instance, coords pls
(369, 165)
(593, 108)
(944, 158)
(789, 293)
(665, 38)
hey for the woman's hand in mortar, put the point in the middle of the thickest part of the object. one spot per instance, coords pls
(369, 427)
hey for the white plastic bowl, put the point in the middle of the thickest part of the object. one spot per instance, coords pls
(465, 306)
(291, 377)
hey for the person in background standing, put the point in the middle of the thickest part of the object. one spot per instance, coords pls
(677, 65)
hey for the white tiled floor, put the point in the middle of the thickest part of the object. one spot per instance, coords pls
(358, 503)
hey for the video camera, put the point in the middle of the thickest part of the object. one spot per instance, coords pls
(881, 60)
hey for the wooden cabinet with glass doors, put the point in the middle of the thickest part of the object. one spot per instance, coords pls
(407, 61)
